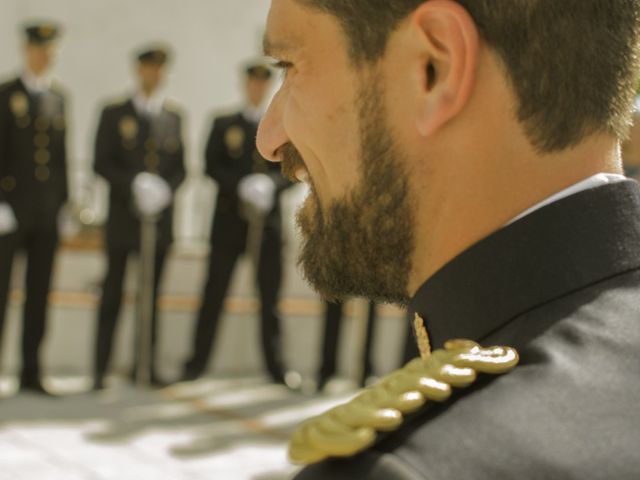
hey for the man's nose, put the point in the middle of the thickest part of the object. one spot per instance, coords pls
(271, 133)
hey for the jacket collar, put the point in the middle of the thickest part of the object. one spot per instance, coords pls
(563, 247)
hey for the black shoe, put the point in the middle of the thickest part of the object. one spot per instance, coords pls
(368, 381)
(367, 377)
(277, 377)
(98, 384)
(155, 381)
(322, 382)
(36, 387)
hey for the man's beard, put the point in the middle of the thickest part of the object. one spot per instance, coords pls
(362, 245)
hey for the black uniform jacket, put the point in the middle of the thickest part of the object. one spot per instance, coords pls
(33, 171)
(126, 145)
(562, 285)
(231, 154)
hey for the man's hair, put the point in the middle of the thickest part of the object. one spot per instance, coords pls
(572, 63)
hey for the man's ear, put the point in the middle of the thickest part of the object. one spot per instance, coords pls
(449, 45)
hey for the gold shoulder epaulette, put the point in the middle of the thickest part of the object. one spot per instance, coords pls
(353, 427)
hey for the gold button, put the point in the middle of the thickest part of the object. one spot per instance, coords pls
(150, 144)
(42, 124)
(172, 145)
(151, 161)
(42, 156)
(24, 121)
(8, 184)
(58, 122)
(42, 173)
(41, 140)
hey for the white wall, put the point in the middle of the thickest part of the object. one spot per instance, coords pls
(210, 38)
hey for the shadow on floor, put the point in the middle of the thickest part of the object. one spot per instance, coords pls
(217, 414)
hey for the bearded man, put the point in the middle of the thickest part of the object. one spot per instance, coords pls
(464, 159)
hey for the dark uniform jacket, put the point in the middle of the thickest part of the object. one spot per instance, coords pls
(231, 154)
(127, 144)
(562, 285)
(33, 172)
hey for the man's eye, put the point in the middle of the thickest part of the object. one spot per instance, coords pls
(283, 66)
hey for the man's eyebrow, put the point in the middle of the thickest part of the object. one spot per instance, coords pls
(272, 48)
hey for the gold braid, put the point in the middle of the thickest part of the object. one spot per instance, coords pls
(353, 427)
(422, 337)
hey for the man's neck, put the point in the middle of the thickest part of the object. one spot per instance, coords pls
(253, 112)
(146, 93)
(148, 102)
(467, 206)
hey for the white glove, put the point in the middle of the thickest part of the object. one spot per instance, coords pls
(8, 221)
(68, 223)
(151, 193)
(258, 190)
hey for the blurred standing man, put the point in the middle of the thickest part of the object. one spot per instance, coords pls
(464, 157)
(244, 180)
(33, 187)
(139, 151)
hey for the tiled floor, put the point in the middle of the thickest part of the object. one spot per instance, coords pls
(232, 429)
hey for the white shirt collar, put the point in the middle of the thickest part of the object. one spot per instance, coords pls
(252, 113)
(592, 182)
(148, 105)
(34, 83)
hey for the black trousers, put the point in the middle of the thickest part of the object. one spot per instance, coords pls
(39, 242)
(333, 321)
(109, 310)
(221, 264)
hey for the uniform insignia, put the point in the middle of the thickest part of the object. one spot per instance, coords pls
(234, 138)
(151, 162)
(150, 144)
(46, 31)
(58, 122)
(8, 184)
(42, 157)
(42, 123)
(42, 173)
(19, 104)
(128, 128)
(353, 427)
(41, 140)
(171, 145)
